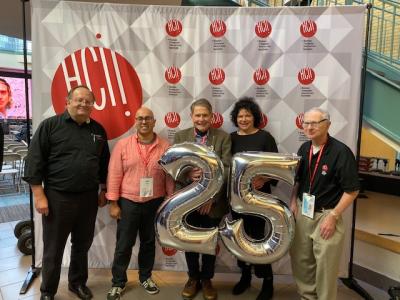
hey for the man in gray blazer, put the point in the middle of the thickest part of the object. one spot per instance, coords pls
(210, 214)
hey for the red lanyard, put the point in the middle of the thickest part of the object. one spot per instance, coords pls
(203, 140)
(312, 176)
(145, 158)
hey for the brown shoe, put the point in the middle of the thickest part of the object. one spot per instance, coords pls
(209, 293)
(191, 288)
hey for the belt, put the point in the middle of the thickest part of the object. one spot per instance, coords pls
(322, 209)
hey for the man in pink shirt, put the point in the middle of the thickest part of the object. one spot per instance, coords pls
(136, 186)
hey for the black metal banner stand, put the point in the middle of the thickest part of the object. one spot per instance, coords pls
(350, 281)
(33, 271)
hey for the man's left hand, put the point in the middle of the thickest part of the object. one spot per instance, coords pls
(205, 208)
(328, 227)
(102, 201)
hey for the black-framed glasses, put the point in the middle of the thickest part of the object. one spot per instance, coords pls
(145, 119)
(313, 124)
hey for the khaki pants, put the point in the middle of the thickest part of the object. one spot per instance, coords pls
(315, 261)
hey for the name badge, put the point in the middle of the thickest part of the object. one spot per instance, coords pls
(308, 204)
(146, 187)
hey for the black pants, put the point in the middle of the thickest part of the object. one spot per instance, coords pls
(135, 217)
(255, 228)
(69, 213)
(206, 271)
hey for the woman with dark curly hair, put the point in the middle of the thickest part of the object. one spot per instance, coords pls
(247, 116)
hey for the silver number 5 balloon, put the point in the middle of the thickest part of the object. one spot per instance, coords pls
(246, 200)
(171, 226)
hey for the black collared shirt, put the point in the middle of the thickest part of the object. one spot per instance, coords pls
(66, 156)
(336, 173)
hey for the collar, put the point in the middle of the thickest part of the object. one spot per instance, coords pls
(326, 147)
(198, 133)
(155, 140)
(67, 117)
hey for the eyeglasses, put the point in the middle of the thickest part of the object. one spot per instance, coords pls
(313, 124)
(145, 119)
(84, 102)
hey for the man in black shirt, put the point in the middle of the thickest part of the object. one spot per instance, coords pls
(326, 184)
(67, 162)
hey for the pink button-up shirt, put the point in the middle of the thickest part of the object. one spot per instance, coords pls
(127, 167)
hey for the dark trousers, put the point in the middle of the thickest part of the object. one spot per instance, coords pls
(255, 228)
(206, 271)
(69, 213)
(135, 217)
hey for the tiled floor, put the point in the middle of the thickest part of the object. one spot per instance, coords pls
(14, 267)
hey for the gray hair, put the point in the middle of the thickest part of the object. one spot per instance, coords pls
(201, 102)
(324, 113)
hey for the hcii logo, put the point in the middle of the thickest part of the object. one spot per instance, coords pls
(217, 120)
(261, 76)
(218, 28)
(264, 121)
(168, 251)
(216, 76)
(172, 119)
(306, 76)
(173, 75)
(112, 79)
(308, 28)
(173, 27)
(299, 120)
(263, 29)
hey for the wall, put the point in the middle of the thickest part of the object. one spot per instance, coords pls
(379, 213)
(372, 146)
(12, 62)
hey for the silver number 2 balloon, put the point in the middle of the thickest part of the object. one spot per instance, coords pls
(171, 226)
(246, 200)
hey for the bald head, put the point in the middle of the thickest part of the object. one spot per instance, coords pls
(144, 111)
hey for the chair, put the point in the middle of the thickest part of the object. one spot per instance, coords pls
(22, 153)
(11, 166)
(14, 145)
(17, 148)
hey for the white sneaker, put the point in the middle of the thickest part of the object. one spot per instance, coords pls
(150, 286)
(115, 293)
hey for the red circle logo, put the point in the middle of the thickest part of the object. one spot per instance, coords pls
(172, 119)
(218, 28)
(173, 27)
(264, 121)
(306, 76)
(261, 76)
(217, 120)
(216, 76)
(169, 251)
(308, 28)
(173, 75)
(112, 79)
(299, 120)
(263, 29)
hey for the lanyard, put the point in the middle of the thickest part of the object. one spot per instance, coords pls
(203, 140)
(312, 176)
(145, 157)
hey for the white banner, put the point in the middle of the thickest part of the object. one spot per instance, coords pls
(290, 59)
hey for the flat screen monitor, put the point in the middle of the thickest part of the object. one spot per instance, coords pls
(13, 104)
